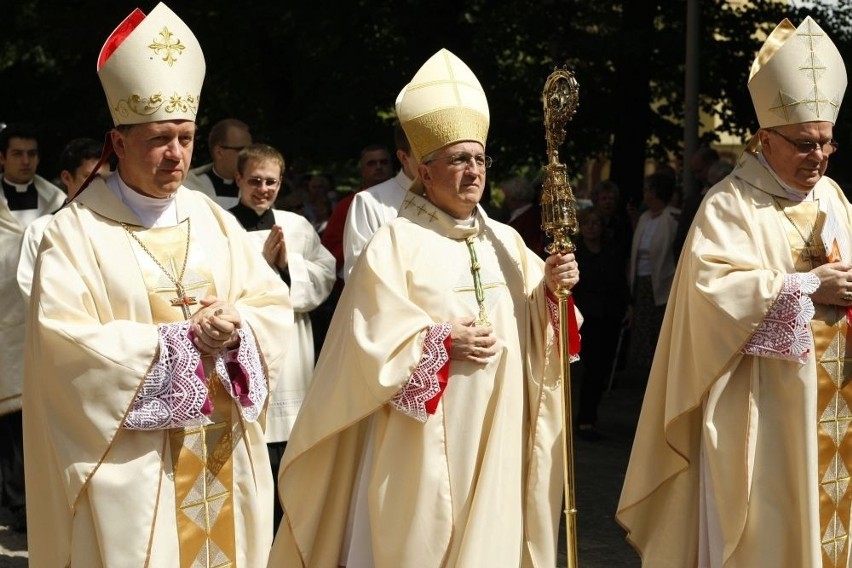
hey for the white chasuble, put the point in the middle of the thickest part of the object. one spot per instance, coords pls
(201, 456)
(741, 456)
(99, 494)
(477, 484)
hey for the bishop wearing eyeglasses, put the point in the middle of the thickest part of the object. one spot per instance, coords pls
(743, 450)
(430, 435)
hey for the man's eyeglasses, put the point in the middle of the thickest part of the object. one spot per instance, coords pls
(256, 182)
(462, 159)
(234, 148)
(808, 146)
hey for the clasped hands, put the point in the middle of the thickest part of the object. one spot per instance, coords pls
(215, 325)
(275, 249)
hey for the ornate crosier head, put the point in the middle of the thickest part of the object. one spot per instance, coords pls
(558, 215)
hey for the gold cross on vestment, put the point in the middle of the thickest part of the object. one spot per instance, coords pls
(183, 298)
(184, 301)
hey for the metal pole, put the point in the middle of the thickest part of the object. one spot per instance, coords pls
(559, 221)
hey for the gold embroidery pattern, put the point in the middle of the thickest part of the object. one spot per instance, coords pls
(421, 209)
(166, 48)
(833, 396)
(146, 106)
(202, 457)
(813, 66)
(203, 464)
(835, 417)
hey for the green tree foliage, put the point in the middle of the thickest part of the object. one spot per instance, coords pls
(318, 79)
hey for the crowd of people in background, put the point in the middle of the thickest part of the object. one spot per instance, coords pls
(303, 228)
(629, 250)
(237, 363)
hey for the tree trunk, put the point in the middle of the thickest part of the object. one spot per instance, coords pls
(633, 102)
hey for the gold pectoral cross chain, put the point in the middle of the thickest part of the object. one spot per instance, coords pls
(182, 299)
(811, 252)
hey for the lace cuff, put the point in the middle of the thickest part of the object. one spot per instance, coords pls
(174, 393)
(785, 331)
(241, 371)
(425, 383)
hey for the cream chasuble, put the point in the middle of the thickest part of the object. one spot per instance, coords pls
(103, 495)
(742, 460)
(200, 456)
(477, 484)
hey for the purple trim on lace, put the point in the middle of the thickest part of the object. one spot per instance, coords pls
(423, 385)
(785, 332)
(174, 392)
(241, 372)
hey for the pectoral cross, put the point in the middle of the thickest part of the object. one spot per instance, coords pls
(813, 255)
(183, 300)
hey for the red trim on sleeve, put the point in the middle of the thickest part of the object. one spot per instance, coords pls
(443, 376)
(573, 330)
(573, 327)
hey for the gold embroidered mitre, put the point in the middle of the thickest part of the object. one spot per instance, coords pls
(798, 76)
(443, 104)
(151, 68)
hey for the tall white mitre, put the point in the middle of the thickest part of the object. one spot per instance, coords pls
(442, 104)
(152, 68)
(798, 76)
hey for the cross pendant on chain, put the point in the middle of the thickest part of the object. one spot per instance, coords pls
(812, 255)
(183, 300)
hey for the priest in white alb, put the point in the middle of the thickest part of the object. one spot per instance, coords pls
(743, 449)
(431, 432)
(154, 326)
(292, 247)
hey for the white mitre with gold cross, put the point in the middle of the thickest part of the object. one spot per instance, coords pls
(798, 76)
(442, 104)
(152, 68)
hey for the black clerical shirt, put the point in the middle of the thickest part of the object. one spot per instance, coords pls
(221, 187)
(251, 221)
(20, 200)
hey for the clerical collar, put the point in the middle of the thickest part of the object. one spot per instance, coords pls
(19, 187)
(792, 193)
(222, 186)
(250, 220)
(20, 197)
(466, 222)
(152, 212)
(224, 180)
